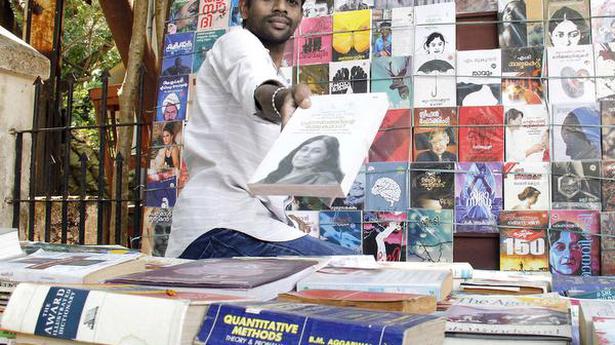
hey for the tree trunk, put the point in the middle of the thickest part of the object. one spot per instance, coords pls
(161, 11)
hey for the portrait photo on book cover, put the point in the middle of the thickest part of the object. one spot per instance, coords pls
(314, 161)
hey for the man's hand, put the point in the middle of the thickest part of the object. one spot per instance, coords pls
(296, 96)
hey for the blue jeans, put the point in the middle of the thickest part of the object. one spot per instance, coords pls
(226, 243)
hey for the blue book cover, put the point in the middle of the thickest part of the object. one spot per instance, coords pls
(384, 235)
(430, 235)
(235, 17)
(161, 193)
(203, 41)
(355, 199)
(172, 98)
(61, 313)
(478, 196)
(178, 44)
(584, 286)
(342, 228)
(282, 323)
(393, 75)
(387, 186)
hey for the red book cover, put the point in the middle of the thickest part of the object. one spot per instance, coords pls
(481, 134)
(435, 134)
(392, 142)
(575, 242)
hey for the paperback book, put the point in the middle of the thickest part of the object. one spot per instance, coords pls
(576, 134)
(316, 77)
(393, 75)
(178, 54)
(183, 16)
(161, 193)
(393, 140)
(156, 230)
(347, 77)
(527, 133)
(470, 6)
(430, 235)
(341, 227)
(526, 186)
(387, 186)
(571, 286)
(432, 185)
(607, 250)
(351, 35)
(523, 241)
(345, 5)
(479, 75)
(167, 133)
(512, 26)
(607, 114)
(435, 134)
(402, 22)
(574, 11)
(203, 41)
(478, 197)
(213, 14)
(481, 134)
(172, 98)
(571, 74)
(575, 242)
(605, 69)
(576, 185)
(314, 40)
(608, 185)
(306, 221)
(521, 76)
(384, 235)
(603, 12)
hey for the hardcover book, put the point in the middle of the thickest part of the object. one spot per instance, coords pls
(521, 76)
(607, 114)
(605, 67)
(183, 16)
(575, 242)
(347, 77)
(387, 186)
(432, 185)
(478, 197)
(306, 221)
(321, 149)
(341, 227)
(172, 98)
(527, 133)
(213, 14)
(316, 77)
(430, 235)
(608, 185)
(576, 185)
(314, 41)
(203, 41)
(607, 250)
(435, 134)
(571, 74)
(523, 241)
(576, 133)
(479, 75)
(392, 142)
(384, 235)
(481, 134)
(393, 75)
(526, 186)
(351, 35)
(156, 230)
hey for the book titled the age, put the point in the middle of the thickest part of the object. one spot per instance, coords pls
(321, 149)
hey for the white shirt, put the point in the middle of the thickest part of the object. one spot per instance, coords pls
(224, 143)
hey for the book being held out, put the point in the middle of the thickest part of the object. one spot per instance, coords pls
(321, 149)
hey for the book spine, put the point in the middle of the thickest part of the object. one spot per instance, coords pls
(415, 289)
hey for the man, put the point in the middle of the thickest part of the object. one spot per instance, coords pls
(353, 5)
(241, 103)
(178, 68)
(382, 47)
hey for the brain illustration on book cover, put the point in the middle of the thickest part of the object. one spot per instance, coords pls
(392, 142)
(576, 185)
(432, 185)
(430, 235)
(351, 35)
(574, 242)
(393, 75)
(387, 186)
(342, 228)
(384, 235)
(481, 134)
(521, 76)
(435, 134)
(523, 241)
(478, 196)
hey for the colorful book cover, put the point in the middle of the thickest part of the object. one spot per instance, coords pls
(384, 235)
(603, 20)
(177, 58)
(605, 69)
(203, 41)
(393, 75)
(156, 230)
(308, 203)
(576, 185)
(317, 8)
(608, 185)
(523, 241)
(183, 16)
(387, 186)
(392, 142)
(349, 5)
(575, 242)
(512, 26)
(235, 15)
(481, 134)
(351, 35)
(341, 227)
(435, 134)
(521, 76)
(479, 75)
(607, 250)
(571, 74)
(607, 113)
(167, 133)
(306, 221)
(382, 33)
(527, 133)
(574, 15)
(526, 186)
(535, 25)
(478, 197)
(402, 22)
(213, 14)
(355, 200)
(161, 193)
(430, 235)
(574, 285)
(172, 98)
(165, 161)
(314, 40)
(576, 132)
(432, 185)
(349, 77)
(316, 77)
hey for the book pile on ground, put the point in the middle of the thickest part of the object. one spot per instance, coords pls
(9, 244)
(603, 331)
(590, 310)
(585, 287)
(507, 283)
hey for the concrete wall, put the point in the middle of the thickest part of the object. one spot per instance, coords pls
(20, 64)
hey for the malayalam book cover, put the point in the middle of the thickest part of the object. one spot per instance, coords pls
(231, 273)
(478, 197)
(203, 41)
(603, 15)
(512, 23)
(484, 315)
(183, 16)
(430, 235)
(341, 227)
(291, 51)
(576, 132)
(575, 242)
(161, 190)
(386, 186)
(167, 133)
(607, 113)
(607, 250)
(432, 185)
(172, 98)
(213, 14)
(347, 77)
(608, 185)
(571, 74)
(481, 134)
(156, 230)
(576, 32)
(352, 35)
(576, 185)
(346, 5)
(384, 235)
(321, 149)
(605, 69)
(479, 74)
(392, 142)
(435, 134)
(355, 199)
(316, 77)
(521, 76)
(393, 75)
(178, 54)
(523, 241)
(527, 133)
(402, 26)
(526, 186)
(306, 221)
(314, 40)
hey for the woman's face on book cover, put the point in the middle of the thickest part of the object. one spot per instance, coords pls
(566, 253)
(310, 155)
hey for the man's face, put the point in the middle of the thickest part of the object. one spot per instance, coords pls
(321, 9)
(272, 21)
